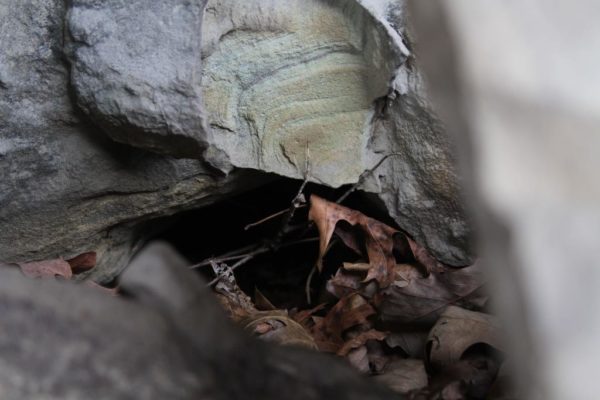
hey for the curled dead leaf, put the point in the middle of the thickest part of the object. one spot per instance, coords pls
(59, 267)
(303, 317)
(456, 331)
(276, 326)
(360, 340)
(349, 312)
(412, 343)
(404, 375)
(421, 300)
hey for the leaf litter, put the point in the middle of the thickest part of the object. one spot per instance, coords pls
(59, 268)
(392, 311)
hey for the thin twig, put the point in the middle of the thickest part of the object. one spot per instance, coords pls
(217, 260)
(299, 241)
(276, 242)
(313, 270)
(307, 285)
(244, 258)
(239, 264)
(270, 217)
(297, 202)
(229, 256)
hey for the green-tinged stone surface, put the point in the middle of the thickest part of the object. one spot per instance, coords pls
(281, 76)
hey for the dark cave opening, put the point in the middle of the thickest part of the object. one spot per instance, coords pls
(280, 274)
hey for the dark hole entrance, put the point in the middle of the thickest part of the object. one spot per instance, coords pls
(280, 274)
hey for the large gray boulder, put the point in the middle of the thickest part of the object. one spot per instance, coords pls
(246, 89)
(65, 187)
(167, 339)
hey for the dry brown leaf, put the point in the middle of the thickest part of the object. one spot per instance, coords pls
(456, 390)
(404, 375)
(47, 269)
(276, 326)
(343, 283)
(456, 331)
(83, 262)
(302, 317)
(360, 340)
(412, 343)
(420, 301)
(472, 377)
(59, 267)
(359, 359)
(424, 258)
(379, 240)
(365, 353)
(349, 311)
(356, 267)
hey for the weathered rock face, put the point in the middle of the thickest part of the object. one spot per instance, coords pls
(419, 186)
(65, 187)
(283, 76)
(135, 70)
(168, 339)
(274, 77)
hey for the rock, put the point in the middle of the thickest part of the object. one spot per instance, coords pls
(335, 77)
(168, 340)
(66, 188)
(281, 76)
(136, 68)
(274, 76)
(419, 186)
(517, 84)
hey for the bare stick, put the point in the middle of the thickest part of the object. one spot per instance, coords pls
(270, 217)
(308, 282)
(313, 270)
(240, 263)
(229, 256)
(216, 260)
(300, 241)
(297, 202)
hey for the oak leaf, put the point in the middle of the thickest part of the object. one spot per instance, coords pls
(378, 237)
(421, 300)
(349, 312)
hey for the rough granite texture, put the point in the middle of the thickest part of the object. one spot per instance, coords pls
(277, 75)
